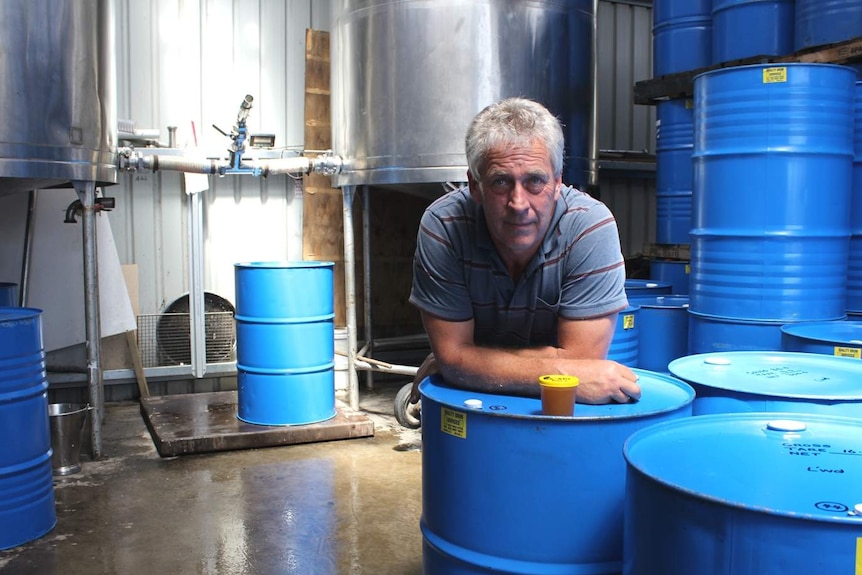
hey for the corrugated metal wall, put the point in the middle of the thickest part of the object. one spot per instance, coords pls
(625, 57)
(189, 64)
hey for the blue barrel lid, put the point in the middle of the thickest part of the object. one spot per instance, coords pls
(13, 314)
(284, 264)
(662, 301)
(836, 332)
(659, 393)
(790, 464)
(640, 286)
(785, 374)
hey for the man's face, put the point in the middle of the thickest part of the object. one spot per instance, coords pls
(518, 192)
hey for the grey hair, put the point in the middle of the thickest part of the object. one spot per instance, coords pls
(513, 122)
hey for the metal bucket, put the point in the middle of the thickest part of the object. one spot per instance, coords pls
(647, 287)
(285, 342)
(26, 483)
(673, 173)
(663, 331)
(746, 28)
(838, 338)
(764, 134)
(8, 294)
(681, 35)
(624, 345)
(67, 421)
(747, 494)
(508, 490)
(819, 22)
(740, 381)
(674, 272)
(488, 48)
(854, 261)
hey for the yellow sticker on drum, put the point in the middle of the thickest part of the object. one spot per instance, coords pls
(853, 352)
(453, 422)
(628, 321)
(859, 556)
(774, 75)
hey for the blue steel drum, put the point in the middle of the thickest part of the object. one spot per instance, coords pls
(8, 294)
(673, 173)
(819, 22)
(740, 381)
(838, 338)
(647, 287)
(675, 272)
(707, 333)
(746, 28)
(26, 477)
(854, 261)
(773, 148)
(682, 35)
(285, 339)
(624, 345)
(662, 331)
(508, 490)
(744, 494)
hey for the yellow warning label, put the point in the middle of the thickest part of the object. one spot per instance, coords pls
(848, 352)
(773, 75)
(688, 269)
(628, 321)
(453, 422)
(689, 104)
(858, 556)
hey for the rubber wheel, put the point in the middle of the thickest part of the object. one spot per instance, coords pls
(408, 414)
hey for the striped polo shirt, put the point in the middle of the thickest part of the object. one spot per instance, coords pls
(578, 272)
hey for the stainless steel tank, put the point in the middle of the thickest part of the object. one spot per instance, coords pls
(57, 100)
(409, 75)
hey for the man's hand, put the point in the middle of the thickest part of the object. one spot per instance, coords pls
(428, 367)
(605, 381)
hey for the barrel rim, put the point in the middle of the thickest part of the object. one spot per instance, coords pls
(286, 264)
(748, 67)
(18, 313)
(683, 386)
(799, 330)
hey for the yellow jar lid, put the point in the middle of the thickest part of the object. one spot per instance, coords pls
(559, 380)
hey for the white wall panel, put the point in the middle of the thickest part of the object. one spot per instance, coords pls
(189, 64)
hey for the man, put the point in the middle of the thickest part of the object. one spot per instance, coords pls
(516, 275)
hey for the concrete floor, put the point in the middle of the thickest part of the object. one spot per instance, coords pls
(331, 508)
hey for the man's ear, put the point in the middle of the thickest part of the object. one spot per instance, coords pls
(475, 188)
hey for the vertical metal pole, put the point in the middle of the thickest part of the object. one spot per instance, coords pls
(347, 193)
(28, 249)
(197, 329)
(366, 279)
(593, 183)
(87, 194)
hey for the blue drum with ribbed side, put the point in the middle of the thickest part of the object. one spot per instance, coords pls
(624, 344)
(506, 489)
(744, 494)
(673, 173)
(8, 294)
(738, 381)
(771, 228)
(819, 22)
(682, 35)
(26, 477)
(838, 338)
(674, 272)
(746, 28)
(662, 331)
(854, 261)
(285, 340)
